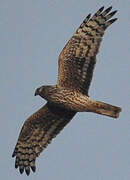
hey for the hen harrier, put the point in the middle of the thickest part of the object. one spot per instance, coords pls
(69, 95)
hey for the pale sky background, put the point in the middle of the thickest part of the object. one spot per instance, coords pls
(32, 34)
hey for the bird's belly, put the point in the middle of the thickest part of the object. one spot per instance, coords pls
(72, 100)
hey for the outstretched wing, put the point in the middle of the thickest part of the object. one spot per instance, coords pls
(37, 132)
(78, 58)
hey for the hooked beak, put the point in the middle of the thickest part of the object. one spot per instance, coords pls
(36, 92)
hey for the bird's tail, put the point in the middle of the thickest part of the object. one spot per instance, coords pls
(106, 109)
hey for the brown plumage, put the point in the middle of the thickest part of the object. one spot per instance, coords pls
(37, 133)
(70, 95)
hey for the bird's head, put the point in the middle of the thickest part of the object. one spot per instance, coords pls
(45, 91)
(40, 91)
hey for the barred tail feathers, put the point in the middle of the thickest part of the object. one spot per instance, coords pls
(107, 109)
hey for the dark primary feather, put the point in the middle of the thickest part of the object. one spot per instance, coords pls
(37, 132)
(78, 58)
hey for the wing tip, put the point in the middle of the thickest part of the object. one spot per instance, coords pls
(27, 170)
(21, 169)
(101, 9)
(111, 21)
(33, 168)
(88, 16)
(19, 163)
(108, 9)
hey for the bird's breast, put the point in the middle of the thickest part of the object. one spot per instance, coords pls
(70, 99)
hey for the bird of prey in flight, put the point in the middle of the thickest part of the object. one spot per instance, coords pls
(70, 95)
